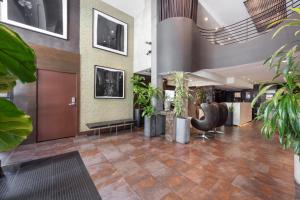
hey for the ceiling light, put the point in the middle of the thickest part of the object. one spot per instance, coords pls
(205, 18)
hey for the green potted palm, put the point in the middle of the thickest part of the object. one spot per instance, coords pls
(147, 95)
(281, 114)
(17, 62)
(138, 83)
(180, 100)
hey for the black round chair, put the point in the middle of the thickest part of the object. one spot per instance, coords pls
(223, 114)
(208, 122)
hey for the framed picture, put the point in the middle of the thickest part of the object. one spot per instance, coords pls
(109, 33)
(44, 16)
(109, 83)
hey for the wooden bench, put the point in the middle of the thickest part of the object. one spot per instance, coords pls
(111, 124)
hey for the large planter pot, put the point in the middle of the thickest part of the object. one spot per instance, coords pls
(149, 126)
(229, 121)
(138, 117)
(182, 130)
(297, 169)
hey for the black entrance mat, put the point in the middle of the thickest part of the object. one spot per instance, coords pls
(61, 177)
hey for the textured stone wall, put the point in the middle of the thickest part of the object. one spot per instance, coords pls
(97, 110)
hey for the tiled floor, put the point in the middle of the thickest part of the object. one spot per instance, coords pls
(238, 165)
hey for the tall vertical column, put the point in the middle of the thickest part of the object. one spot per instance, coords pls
(156, 79)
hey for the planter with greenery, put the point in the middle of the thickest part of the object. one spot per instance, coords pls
(281, 114)
(138, 83)
(147, 94)
(17, 62)
(180, 100)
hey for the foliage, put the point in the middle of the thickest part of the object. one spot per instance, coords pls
(17, 62)
(181, 94)
(282, 113)
(199, 95)
(148, 94)
(15, 125)
(144, 94)
(139, 85)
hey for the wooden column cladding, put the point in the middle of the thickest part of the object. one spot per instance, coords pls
(177, 8)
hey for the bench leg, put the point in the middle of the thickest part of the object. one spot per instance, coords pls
(116, 130)
(131, 127)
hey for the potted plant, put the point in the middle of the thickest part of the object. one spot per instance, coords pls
(147, 94)
(281, 114)
(138, 83)
(198, 97)
(229, 121)
(17, 62)
(181, 96)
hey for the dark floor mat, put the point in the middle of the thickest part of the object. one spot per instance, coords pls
(61, 177)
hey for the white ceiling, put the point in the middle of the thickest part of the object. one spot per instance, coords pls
(226, 12)
(131, 7)
(252, 73)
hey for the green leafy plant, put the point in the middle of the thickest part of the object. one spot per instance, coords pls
(199, 95)
(181, 94)
(17, 62)
(138, 83)
(148, 94)
(281, 114)
(144, 94)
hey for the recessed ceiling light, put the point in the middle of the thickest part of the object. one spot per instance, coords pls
(205, 18)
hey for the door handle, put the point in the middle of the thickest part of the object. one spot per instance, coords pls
(73, 102)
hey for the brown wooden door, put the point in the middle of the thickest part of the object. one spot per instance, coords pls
(57, 105)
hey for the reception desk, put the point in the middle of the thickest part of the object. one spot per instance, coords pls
(242, 113)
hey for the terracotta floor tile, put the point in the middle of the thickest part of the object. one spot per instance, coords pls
(237, 165)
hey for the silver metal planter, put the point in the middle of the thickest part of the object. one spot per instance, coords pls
(297, 169)
(182, 130)
(149, 126)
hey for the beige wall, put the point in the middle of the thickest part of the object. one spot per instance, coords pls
(97, 110)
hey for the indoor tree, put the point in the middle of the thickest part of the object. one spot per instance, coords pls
(180, 106)
(17, 63)
(138, 84)
(147, 95)
(281, 114)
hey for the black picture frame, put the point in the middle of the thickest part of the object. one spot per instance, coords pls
(112, 82)
(48, 23)
(110, 19)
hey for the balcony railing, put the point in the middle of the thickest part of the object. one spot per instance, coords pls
(251, 27)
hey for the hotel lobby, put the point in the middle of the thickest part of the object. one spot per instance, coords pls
(149, 99)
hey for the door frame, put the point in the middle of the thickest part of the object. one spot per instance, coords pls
(77, 75)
